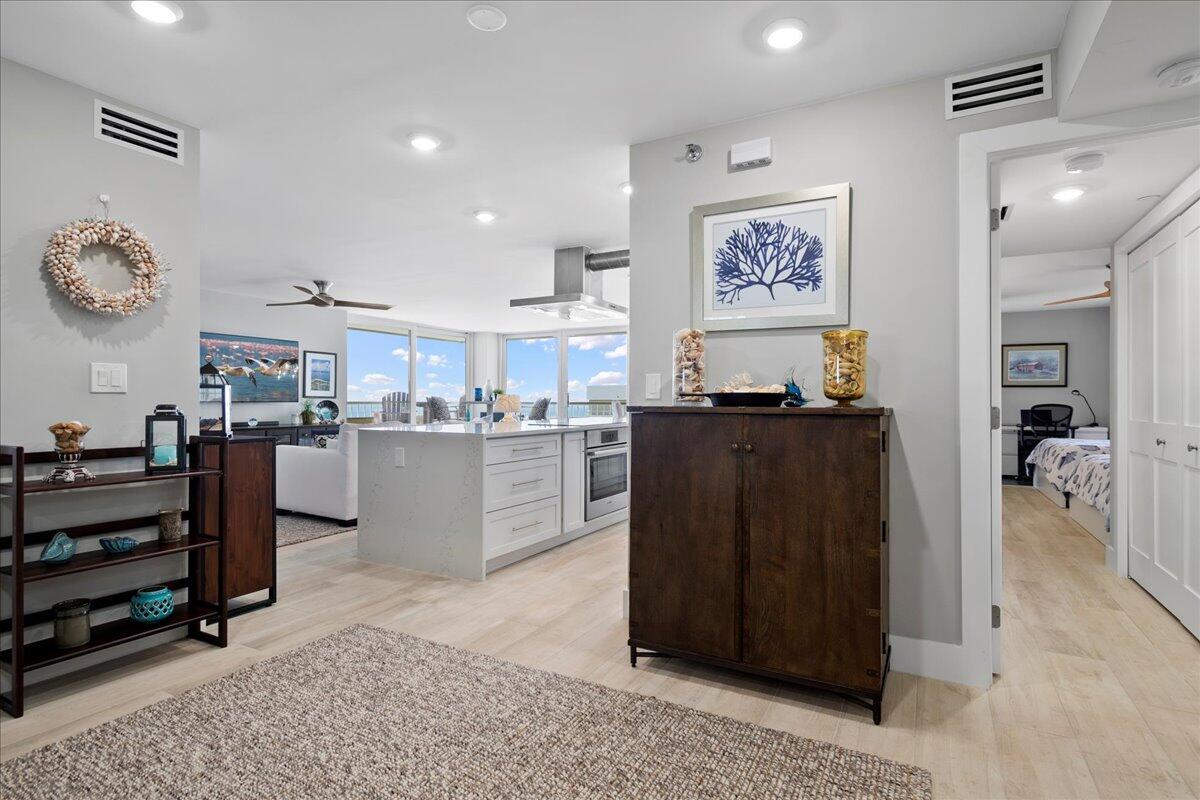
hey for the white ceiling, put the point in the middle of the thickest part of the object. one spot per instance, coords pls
(1133, 168)
(305, 108)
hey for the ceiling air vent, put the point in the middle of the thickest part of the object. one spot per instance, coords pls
(116, 125)
(1015, 84)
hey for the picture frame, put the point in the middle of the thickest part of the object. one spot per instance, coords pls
(320, 374)
(258, 369)
(774, 261)
(1033, 365)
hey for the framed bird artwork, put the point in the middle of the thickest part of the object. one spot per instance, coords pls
(259, 370)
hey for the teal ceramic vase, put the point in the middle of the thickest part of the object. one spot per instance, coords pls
(152, 604)
(59, 550)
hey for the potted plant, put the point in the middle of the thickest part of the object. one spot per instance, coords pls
(308, 413)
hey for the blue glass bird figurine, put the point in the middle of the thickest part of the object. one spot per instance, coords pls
(59, 550)
(795, 394)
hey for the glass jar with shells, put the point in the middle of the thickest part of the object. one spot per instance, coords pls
(845, 365)
(687, 365)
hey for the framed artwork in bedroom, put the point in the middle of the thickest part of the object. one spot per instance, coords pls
(1034, 365)
(775, 261)
(320, 374)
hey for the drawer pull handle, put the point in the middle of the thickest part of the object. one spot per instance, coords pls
(1160, 442)
(530, 525)
(526, 483)
(524, 449)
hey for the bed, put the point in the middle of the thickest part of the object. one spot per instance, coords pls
(1075, 468)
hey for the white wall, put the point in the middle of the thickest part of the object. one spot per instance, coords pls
(315, 328)
(1085, 330)
(900, 156)
(52, 170)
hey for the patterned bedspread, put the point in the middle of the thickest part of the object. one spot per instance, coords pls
(1090, 481)
(1059, 458)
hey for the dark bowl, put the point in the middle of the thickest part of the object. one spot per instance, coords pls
(759, 399)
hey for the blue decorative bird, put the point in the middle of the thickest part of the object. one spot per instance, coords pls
(795, 394)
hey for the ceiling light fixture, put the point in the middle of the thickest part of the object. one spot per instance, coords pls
(424, 142)
(626, 187)
(485, 216)
(1181, 73)
(1084, 162)
(486, 18)
(1068, 194)
(160, 12)
(784, 34)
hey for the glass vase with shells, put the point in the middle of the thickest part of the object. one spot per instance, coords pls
(68, 446)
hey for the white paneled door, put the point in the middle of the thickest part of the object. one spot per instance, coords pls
(1164, 420)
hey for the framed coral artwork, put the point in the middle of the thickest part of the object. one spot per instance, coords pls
(776, 261)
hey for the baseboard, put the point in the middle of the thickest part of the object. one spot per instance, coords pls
(929, 659)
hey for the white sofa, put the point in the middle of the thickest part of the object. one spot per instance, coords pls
(320, 481)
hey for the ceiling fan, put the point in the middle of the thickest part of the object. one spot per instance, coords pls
(1097, 296)
(323, 299)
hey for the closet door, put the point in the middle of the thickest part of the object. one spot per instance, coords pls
(1164, 541)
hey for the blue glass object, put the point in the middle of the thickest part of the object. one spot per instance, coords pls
(119, 544)
(59, 550)
(152, 604)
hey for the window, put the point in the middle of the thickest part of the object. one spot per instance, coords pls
(597, 373)
(377, 365)
(441, 372)
(531, 371)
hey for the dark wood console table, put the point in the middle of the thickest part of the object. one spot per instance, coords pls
(758, 541)
(301, 435)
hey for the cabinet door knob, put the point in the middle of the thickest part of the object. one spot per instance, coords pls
(749, 448)
(1160, 442)
(735, 447)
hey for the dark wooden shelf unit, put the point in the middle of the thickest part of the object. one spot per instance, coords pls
(208, 520)
(758, 542)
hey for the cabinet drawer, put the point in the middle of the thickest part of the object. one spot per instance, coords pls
(517, 482)
(520, 526)
(523, 448)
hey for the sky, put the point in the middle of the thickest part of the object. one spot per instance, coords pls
(379, 363)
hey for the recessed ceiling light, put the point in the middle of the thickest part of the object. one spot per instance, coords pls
(784, 34)
(485, 216)
(626, 187)
(486, 18)
(159, 12)
(424, 142)
(1084, 162)
(1068, 194)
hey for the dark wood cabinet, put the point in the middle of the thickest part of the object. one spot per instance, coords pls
(758, 541)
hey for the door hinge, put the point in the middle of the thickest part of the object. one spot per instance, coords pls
(883, 441)
(995, 418)
(883, 532)
(883, 642)
(995, 219)
(995, 616)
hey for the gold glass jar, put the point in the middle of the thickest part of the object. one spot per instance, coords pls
(845, 365)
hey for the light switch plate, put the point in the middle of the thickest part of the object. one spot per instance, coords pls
(399, 456)
(653, 385)
(109, 378)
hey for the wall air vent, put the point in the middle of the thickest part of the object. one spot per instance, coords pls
(1015, 84)
(137, 132)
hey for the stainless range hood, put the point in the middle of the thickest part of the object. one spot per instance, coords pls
(578, 287)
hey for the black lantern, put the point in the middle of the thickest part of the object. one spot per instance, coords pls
(215, 397)
(166, 440)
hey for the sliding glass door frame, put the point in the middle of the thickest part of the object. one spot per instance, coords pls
(562, 336)
(413, 333)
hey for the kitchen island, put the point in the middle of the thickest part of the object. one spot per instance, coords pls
(465, 498)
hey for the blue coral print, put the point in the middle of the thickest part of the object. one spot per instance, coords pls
(768, 263)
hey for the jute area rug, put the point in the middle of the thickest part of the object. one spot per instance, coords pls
(297, 528)
(371, 713)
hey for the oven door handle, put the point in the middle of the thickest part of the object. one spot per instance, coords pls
(601, 452)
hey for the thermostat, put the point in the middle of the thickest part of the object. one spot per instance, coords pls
(754, 153)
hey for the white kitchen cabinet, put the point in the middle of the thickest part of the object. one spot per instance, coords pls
(508, 485)
(574, 445)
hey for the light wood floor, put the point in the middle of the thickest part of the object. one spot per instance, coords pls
(1100, 695)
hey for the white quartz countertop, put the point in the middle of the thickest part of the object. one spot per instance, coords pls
(498, 429)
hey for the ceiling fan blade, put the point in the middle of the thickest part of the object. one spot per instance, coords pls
(312, 301)
(1097, 296)
(304, 289)
(351, 304)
